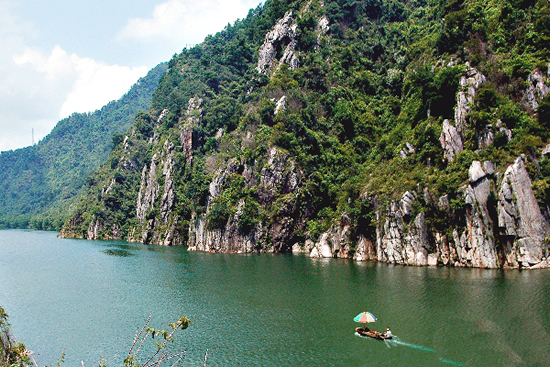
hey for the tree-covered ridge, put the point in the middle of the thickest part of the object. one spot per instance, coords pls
(355, 102)
(38, 183)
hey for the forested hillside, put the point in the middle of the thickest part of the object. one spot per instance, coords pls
(38, 183)
(408, 132)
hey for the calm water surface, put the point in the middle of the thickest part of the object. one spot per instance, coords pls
(88, 299)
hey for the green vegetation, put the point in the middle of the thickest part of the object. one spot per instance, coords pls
(12, 353)
(385, 74)
(40, 183)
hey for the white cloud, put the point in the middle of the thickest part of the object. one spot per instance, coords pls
(93, 83)
(185, 21)
(39, 85)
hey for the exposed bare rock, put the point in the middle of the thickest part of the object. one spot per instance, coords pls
(303, 249)
(323, 25)
(546, 150)
(395, 243)
(283, 35)
(428, 199)
(96, 230)
(167, 201)
(229, 239)
(365, 250)
(289, 56)
(486, 138)
(522, 227)
(281, 105)
(476, 245)
(407, 201)
(278, 179)
(279, 175)
(407, 150)
(503, 130)
(490, 167)
(536, 90)
(451, 142)
(475, 173)
(188, 124)
(148, 191)
(468, 83)
(335, 242)
(216, 186)
(162, 116)
(444, 203)
(322, 29)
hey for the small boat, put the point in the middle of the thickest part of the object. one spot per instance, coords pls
(371, 334)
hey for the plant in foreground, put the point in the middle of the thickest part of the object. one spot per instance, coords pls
(12, 353)
(162, 354)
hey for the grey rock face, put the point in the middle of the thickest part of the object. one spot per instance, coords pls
(365, 250)
(522, 227)
(396, 244)
(503, 130)
(451, 142)
(148, 191)
(283, 35)
(407, 150)
(280, 106)
(476, 246)
(468, 83)
(536, 90)
(188, 124)
(157, 229)
(167, 201)
(278, 177)
(322, 29)
(228, 239)
(335, 242)
(475, 172)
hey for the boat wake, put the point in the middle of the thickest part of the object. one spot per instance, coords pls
(395, 341)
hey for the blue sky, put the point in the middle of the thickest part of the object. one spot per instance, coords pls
(60, 57)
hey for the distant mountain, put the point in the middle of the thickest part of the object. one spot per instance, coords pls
(39, 183)
(410, 132)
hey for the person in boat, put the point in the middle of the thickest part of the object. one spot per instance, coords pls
(388, 333)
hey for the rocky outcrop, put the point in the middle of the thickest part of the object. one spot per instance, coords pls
(188, 124)
(500, 228)
(335, 242)
(283, 36)
(537, 88)
(522, 227)
(277, 181)
(280, 106)
(468, 84)
(148, 190)
(476, 245)
(157, 228)
(401, 239)
(451, 142)
(229, 239)
(407, 150)
(322, 29)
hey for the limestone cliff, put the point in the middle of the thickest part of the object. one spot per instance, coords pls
(278, 182)
(342, 131)
(504, 231)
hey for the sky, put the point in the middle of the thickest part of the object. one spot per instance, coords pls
(65, 56)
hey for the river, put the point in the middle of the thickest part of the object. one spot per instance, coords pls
(87, 299)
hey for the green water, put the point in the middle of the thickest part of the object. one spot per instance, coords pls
(88, 299)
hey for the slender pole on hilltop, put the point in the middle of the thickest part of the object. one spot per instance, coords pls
(33, 136)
